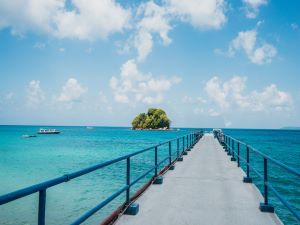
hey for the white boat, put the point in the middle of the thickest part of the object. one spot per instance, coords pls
(48, 131)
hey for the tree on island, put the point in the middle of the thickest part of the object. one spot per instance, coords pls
(154, 119)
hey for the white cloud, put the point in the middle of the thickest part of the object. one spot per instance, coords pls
(134, 86)
(247, 41)
(72, 91)
(230, 95)
(86, 20)
(39, 45)
(213, 113)
(252, 7)
(199, 13)
(217, 93)
(61, 49)
(154, 20)
(35, 94)
(91, 20)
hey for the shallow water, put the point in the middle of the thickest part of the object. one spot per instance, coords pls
(24, 162)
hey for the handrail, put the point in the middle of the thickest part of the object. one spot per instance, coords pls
(191, 139)
(292, 170)
(229, 142)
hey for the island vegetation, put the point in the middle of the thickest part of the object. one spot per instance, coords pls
(154, 119)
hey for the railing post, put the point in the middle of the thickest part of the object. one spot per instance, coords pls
(128, 179)
(42, 207)
(177, 147)
(183, 144)
(189, 147)
(229, 146)
(248, 179)
(187, 142)
(265, 206)
(232, 147)
(155, 161)
(170, 153)
(238, 152)
(226, 143)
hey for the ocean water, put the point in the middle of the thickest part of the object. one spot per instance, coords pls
(26, 161)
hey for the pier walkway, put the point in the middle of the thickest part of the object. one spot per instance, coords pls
(206, 188)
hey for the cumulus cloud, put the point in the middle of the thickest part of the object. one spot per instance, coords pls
(252, 7)
(155, 20)
(231, 94)
(96, 19)
(133, 86)
(199, 13)
(71, 92)
(257, 53)
(84, 20)
(35, 94)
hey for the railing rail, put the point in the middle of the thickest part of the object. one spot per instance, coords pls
(229, 142)
(41, 188)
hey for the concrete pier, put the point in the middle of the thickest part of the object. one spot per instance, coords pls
(206, 188)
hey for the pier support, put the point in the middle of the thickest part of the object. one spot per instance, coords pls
(247, 180)
(266, 208)
(158, 180)
(185, 153)
(172, 167)
(133, 209)
(180, 159)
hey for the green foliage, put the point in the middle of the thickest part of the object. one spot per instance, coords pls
(154, 119)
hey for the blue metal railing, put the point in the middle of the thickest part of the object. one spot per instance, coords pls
(229, 144)
(187, 142)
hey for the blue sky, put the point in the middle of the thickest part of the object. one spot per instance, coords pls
(208, 63)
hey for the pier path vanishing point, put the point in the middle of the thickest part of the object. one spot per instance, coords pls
(206, 188)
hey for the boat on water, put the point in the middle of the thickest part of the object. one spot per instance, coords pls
(28, 136)
(48, 131)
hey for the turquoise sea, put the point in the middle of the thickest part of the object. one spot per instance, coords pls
(26, 161)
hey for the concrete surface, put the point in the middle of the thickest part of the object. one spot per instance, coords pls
(206, 188)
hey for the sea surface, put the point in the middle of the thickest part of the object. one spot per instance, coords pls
(27, 161)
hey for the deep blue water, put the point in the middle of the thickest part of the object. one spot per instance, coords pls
(24, 162)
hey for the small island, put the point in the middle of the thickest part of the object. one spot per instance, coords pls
(154, 119)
